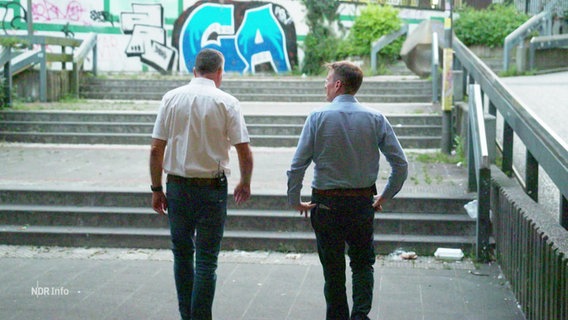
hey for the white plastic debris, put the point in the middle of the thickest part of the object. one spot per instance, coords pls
(471, 208)
(448, 254)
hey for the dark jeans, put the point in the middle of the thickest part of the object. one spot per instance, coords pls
(338, 221)
(197, 217)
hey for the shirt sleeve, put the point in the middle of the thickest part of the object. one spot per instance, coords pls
(236, 125)
(160, 130)
(300, 162)
(391, 149)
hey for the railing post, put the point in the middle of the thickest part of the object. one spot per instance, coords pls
(508, 137)
(7, 101)
(483, 217)
(435, 66)
(471, 175)
(531, 176)
(43, 75)
(95, 59)
(563, 211)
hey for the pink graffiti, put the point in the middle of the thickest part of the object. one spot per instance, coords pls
(45, 10)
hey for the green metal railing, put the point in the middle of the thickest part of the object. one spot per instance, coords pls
(531, 246)
(479, 171)
(42, 58)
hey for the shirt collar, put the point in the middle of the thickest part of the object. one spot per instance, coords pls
(345, 98)
(203, 81)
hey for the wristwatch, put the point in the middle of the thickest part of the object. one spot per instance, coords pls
(156, 189)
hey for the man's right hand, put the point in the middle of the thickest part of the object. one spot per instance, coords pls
(159, 202)
(241, 193)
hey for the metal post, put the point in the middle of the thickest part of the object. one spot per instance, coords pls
(483, 217)
(508, 137)
(471, 174)
(7, 101)
(29, 19)
(563, 211)
(531, 177)
(43, 75)
(95, 59)
(447, 87)
(492, 109)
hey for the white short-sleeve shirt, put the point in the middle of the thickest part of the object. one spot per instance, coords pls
(200, 123)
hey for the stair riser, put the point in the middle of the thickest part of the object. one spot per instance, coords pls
(263, 98)
(128, 128)
(266, 91)
(145, 139)
(149, 119)
(402, 203)
(290, 223)
(228, 243)
(232, 84)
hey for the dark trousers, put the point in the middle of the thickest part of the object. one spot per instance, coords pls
(338, 221)
(197, 217)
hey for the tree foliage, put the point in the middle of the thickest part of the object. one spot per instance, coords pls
(487, 27)
(320, 44)
(374, 22)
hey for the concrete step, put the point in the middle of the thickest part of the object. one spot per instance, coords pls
(408, 203)
(414, 131)
(237, 220)
(277, 96)
(255, 89)
(267, 88)
(158, 238)
(120, 117)
(123, 218)
(146, 128)
(274, 83)
(273, 141)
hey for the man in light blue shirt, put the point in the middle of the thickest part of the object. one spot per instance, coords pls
(344, 140)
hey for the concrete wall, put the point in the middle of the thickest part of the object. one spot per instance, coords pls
(164, 35)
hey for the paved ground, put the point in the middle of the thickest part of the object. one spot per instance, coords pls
(63, 283)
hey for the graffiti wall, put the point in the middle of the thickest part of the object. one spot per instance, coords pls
(165, 36)
(252, 35)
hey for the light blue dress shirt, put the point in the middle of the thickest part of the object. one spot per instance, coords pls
(344, 139)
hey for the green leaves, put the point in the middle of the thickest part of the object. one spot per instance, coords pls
(373, 22)
(487, 27)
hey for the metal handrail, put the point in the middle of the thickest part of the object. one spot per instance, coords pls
(88, 45)
(435, 66)
(479, 176)
(385, 41)
(546, 42)
(42, 57)
(542, 20)
(548, 149)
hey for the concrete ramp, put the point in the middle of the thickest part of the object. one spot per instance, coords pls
(416, 50)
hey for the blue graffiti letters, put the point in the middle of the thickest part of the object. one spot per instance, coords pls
(248, 36)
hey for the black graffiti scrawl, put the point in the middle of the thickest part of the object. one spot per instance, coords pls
(145, 24)
(253, 36)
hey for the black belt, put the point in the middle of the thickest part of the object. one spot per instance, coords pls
(360, 192)
(202, 182)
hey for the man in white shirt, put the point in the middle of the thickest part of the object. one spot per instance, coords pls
(195, 128)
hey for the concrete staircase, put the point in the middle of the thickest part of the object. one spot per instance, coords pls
(260, 89)
(414, 131)
(122, 127)
(124, 219)
(35, 216)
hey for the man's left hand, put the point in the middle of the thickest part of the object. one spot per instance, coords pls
(304, 208)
